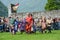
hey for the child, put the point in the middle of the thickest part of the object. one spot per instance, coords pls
(22, 25)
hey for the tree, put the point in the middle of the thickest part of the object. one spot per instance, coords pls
(52, 5)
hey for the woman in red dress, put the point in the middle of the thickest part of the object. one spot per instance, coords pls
(29, 20)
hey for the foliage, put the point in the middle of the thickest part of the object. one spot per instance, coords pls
(53, 5)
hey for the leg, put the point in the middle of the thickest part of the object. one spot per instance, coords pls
(49, 29)
(22, 31)
(41, 30)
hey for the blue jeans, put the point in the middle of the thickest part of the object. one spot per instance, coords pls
(1, 27)
(34, 28)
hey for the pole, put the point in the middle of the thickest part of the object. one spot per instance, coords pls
(9, 10)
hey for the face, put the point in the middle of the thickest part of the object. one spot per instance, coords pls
(19, 19)
(29, 14)
(43, 17)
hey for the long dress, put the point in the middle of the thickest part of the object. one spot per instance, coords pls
(29, 24)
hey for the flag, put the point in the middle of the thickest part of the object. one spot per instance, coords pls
(14, 8)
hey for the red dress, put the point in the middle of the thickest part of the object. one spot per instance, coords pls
(29, 21)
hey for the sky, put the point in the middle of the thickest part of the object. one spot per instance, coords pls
(27, 5)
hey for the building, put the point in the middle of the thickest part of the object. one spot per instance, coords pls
(3, 10)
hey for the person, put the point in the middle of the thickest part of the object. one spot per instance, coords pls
(59, 23)
(15, 26)
(55, 24)
(29, 20)
(22, 25)
(49, 24)
(39, 25)
(5, 25)
(43, 24)
(33, 28)
(11, 27)
(19, 21)
(1, 25)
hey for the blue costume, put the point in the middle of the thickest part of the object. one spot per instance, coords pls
(15, 25)
(22, 23)
(22, 26)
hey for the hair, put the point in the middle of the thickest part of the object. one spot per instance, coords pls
(30, 14)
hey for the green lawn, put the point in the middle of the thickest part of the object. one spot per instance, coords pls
(55, 35)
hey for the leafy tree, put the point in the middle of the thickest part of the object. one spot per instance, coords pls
(52, 5)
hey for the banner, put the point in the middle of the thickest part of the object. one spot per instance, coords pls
(14, 8)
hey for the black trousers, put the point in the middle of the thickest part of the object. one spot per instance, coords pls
(49, 29)
(21, 31)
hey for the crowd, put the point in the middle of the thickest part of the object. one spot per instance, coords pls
(29, 24)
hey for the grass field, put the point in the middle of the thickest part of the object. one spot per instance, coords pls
(55, 35)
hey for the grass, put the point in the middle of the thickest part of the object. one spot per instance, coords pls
(55, 35)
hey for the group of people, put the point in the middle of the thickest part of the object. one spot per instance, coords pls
(28, 24)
